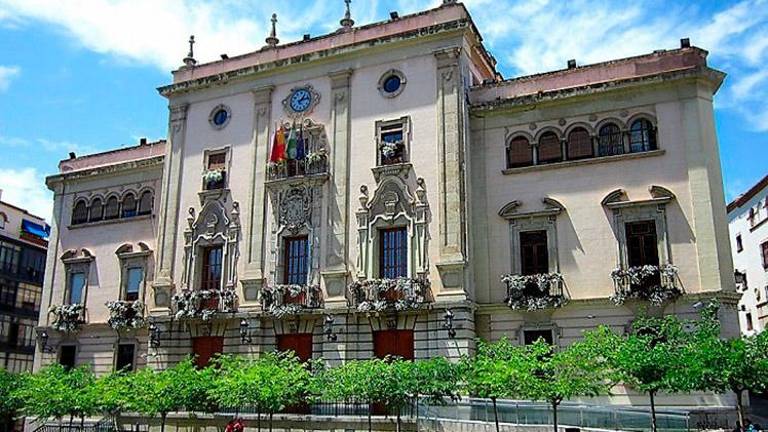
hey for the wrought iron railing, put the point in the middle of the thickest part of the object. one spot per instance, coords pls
(204, 303)
(655, 284)
(381, 294)
(282, 300)
(534, 292)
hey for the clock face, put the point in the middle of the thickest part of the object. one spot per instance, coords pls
(301, 100)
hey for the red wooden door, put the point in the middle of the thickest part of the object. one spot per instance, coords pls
(396, 343)
(300, 343)
(206, 347)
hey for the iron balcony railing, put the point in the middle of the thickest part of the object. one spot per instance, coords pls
(533, 292)
(381, 294)
(652, 283)
(283, 299)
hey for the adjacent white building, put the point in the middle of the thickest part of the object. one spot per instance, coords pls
(748, 227)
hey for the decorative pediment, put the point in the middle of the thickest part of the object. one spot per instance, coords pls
(616, 196)
(77, 255)
(660, 192)
(619, 198)
(551, 207)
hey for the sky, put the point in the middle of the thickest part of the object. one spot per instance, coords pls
(81, 75)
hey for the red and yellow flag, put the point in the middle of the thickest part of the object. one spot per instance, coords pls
(278, 146)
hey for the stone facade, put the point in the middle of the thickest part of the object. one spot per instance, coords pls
(748, 226)
(409, 134)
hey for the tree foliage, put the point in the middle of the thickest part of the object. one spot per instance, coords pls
(10, 402)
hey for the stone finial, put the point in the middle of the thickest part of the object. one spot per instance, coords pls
(189, 60)
(272, 39)
(347, 22)
(363, 197)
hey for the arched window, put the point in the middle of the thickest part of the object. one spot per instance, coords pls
(145, 203)
(642, 136)
(549, 148)
(579, 144)
(609, 140)
(129, 205)
(96, 212)
(519, 153)
(112, 209)
(80, 213)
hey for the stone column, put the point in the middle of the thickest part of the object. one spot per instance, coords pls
(163, 284)
(253, 278)
(450, 151)
(335, 269)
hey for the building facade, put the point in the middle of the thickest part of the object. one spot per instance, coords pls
(382, 190)
(23, 243)
(747, 217)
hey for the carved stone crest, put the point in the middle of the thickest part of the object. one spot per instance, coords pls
(295, 208)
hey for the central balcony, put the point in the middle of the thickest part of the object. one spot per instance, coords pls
(204, 304)
(282, 300)
(374, 295)
(126, 315)
(534, 292)
(67, 318)
(651, 283)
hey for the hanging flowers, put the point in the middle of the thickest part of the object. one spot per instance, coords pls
(125, 314)
(534, 292)
(67, 318)
(213, 176)
(289, 299)
(200, 303)
(373, 295)
(654, 284)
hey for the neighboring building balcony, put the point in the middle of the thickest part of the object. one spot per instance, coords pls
(651, 283)
(373, 295)
(283, 300)
(126, 315)
(534, 292)
(67, 318)
(203, 304)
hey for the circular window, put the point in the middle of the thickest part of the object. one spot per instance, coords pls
(219, 117)
(391, 83)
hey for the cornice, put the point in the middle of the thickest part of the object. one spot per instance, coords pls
(119, 168)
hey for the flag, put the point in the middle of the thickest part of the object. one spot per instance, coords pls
(292, 143)
(300, 144)
(278, 146)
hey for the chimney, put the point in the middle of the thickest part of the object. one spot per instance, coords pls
(393, 15)
(224, 56)
(572, 64)
(306, 37)
(72, 155)
(142, 141)
(685, 43)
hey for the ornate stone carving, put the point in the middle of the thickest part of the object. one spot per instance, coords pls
(295, 208)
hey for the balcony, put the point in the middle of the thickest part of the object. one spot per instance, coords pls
(67, 318)
(654, 284)
(534, 292)
(314, 164)
(126, 315)
(284, 300)
(375, 295)
(203, 304)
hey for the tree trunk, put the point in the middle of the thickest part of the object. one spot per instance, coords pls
(495, 413)
(740, 409)
(416, 407)
(270, 421)
(82, 422)
(71, 417)
(258, 420)
(370, 428)
(653, 410)
(554, 414)
(397, 425)
(162, 421)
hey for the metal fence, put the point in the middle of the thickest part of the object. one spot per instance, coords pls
(570, 414)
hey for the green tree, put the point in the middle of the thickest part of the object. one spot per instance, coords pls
(114, 394)
(356, 381)
(10, 402)
(54, 392)
(651, 358)
(581, 369)
(166, 391)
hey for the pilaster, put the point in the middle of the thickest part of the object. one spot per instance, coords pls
(163, 284)
(450, 151)
(336, 267)
(253, 278)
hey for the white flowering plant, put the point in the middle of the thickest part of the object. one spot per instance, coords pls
(67, 318)
(195, 303)
(213, 176)
(390, 150)
(534, 292)
(654, 284)
(126, 315)
(375, 295)
(289, 299)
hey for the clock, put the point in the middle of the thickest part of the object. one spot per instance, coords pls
(301, 101)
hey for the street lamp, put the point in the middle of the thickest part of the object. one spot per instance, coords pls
(448, 323)
(329, 334)
(245, 336)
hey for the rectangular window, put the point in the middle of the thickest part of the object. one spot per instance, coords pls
(750, 324)
(33, 265)
(534, 255)
(211, 269)
(739, 243)
(531, 336)
(76, 288)
(9, 258)
(393, 253)
(296, 264)
(642, 244)
(134, 277)
(392, 137)
(764, 252)
(216, 162)
(67, 356)
(124, 357)
(13, 334)
(7, 294)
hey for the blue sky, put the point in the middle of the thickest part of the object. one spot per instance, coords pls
(80, 75)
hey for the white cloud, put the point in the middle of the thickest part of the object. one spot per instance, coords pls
(8, 73)
(59, 149)
(26, 188)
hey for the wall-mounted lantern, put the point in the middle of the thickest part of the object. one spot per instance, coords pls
(448, 323)
(42, 336)
(328, 328)
(154, 335)
(245, 335)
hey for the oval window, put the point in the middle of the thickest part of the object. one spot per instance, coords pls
(220, 117)
(392, 84)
